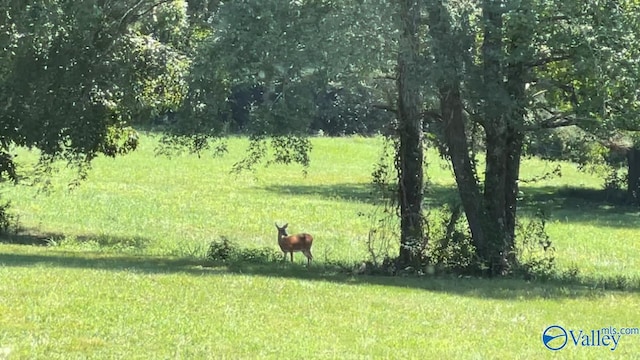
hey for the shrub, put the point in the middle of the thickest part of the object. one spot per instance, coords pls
(7, 220)
(226, 251)
(450, 248)
(535, 253)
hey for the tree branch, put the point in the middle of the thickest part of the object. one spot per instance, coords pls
(133, 18)
(552, 123)
(548, 60)
(386, 77)
(556, 120)
(556, 18)
(129, 12)
(385, 107)
(139, 15)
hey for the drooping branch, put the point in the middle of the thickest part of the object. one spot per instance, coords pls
(8, 167)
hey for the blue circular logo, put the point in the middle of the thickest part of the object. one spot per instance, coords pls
(554, 337)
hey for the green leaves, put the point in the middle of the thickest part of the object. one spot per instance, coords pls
(276, 62)
(600, 75)
(76, 73)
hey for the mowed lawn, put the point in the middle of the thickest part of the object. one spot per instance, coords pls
(123, 277)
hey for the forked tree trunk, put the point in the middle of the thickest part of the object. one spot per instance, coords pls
(491, 214)
(451, 108)
(456, 138)
(410, 153)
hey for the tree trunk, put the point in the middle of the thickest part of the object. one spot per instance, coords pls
(517, 75)
(494, 200)
(503, 162)
(514, 154)
(492, 214)
(633, 178)
(451, 108)
(495, 125)
(456, 138)
(410, 153)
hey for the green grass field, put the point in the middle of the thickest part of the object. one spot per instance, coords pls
(123, 275)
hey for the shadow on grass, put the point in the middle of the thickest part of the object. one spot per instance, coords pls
(26, 239)
(570, 204)
(506, 289)
(341, 192)
(592, 206)
(35, 238)
(359, 192)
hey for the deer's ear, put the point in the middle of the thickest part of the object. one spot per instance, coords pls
(285, 225)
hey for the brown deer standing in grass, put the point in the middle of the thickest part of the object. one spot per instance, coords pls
(292, 243)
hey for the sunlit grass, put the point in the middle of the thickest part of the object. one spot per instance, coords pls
(61, 305)
(126, 279)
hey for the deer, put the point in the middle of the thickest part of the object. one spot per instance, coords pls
(292, 243)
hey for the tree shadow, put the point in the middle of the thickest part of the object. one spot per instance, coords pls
(359, 192)
(26, 239)
(568, 203)
(502, 289)
(572, 204)
(36, 238)
(583, 205)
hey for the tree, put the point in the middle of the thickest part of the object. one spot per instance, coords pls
(291, 54)
(74, 74)
(288, 49)
(410, 151)
(519, 66)
(601, 99)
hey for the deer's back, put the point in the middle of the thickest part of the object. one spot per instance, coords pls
(296, 242)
